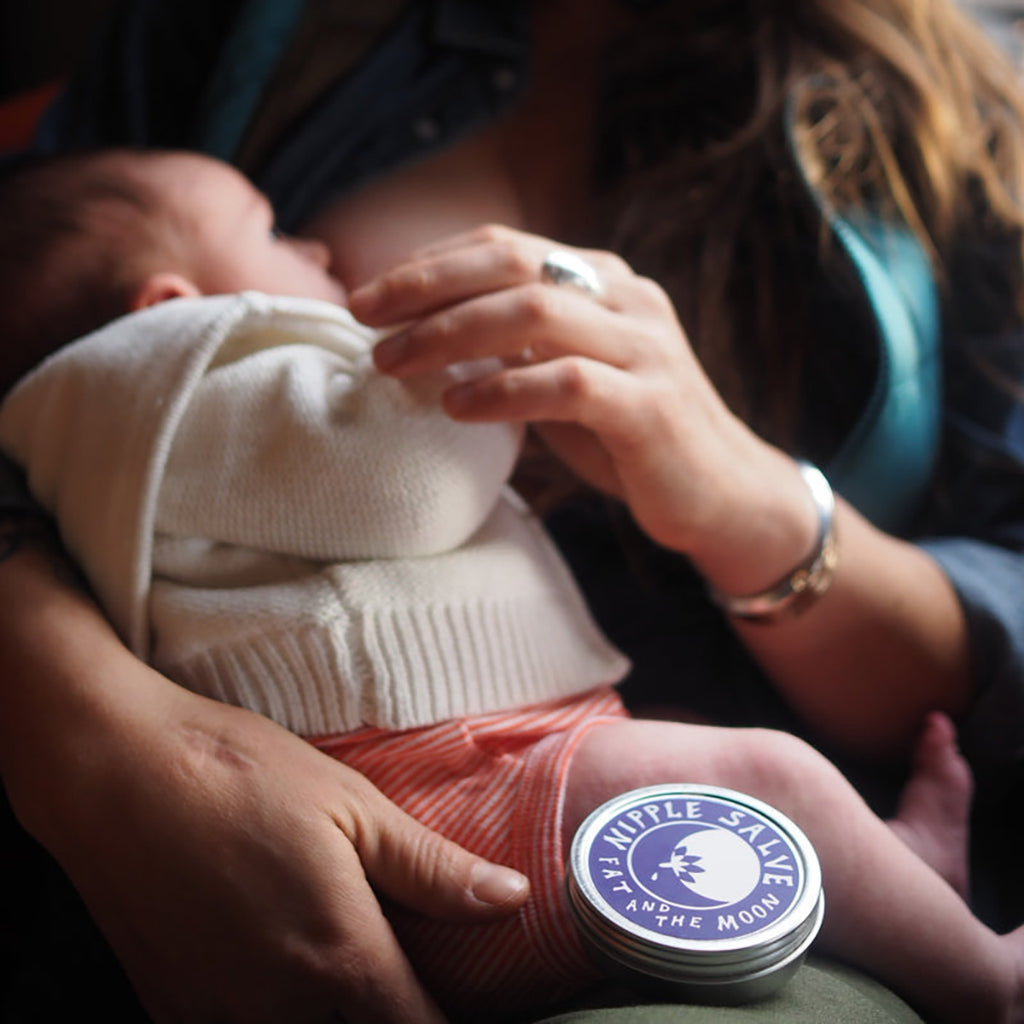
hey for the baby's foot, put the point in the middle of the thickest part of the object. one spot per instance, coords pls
(934, 808)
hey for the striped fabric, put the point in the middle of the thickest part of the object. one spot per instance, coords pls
(495, 785)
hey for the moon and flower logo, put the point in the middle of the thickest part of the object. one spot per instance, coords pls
(694, 866)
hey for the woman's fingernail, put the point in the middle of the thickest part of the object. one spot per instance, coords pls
(496, 885)
(391, 351)
(458, 398)
(364, 300)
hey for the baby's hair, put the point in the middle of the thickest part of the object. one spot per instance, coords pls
(71, 228)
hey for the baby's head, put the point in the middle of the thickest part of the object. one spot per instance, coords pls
(89, 237)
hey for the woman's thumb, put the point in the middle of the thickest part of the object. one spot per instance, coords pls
(424, 871)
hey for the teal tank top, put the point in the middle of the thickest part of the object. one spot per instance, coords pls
(884, 465)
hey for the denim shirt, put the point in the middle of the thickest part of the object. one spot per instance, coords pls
(190, 73)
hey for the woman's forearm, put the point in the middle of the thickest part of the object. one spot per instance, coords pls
(61, 667)
(887, 643)
(884, 645)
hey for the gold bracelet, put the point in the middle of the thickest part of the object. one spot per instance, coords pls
(799, 589)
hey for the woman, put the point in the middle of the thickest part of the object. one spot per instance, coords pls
(660, 132)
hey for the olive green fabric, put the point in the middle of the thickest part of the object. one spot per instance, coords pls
(821, 992)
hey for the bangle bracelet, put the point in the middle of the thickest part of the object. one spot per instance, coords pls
(799, 589)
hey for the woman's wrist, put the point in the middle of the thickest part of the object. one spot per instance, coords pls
(769, 523)
(808, 580)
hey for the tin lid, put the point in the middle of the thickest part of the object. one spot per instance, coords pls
(694, 883)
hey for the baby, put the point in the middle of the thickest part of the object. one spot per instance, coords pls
(273, 523)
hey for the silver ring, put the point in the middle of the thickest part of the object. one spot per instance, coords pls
(567, 270)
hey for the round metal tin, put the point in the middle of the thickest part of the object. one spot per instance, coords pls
(697, 892)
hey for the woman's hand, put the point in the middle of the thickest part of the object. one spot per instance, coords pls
(611, 384)
(231, 865)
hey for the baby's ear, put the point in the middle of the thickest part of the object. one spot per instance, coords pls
(160, 287)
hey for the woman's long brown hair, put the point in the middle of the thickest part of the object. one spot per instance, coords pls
(901, 106)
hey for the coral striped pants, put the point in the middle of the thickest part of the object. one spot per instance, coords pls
(495, 785)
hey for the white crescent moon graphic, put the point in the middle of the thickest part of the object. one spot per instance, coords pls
(730, 866)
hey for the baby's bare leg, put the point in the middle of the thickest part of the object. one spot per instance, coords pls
(886, 910)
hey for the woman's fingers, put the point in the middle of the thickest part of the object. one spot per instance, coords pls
(460, 268)
(337, 960)
(422, 870)
(372, 978)
(573, 401)
(570, 389)
(428, 283)
(539, 319)
(417, 868)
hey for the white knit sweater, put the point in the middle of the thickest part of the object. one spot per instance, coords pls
(274, 524)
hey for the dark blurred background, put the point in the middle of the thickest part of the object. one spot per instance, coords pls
(41, 39)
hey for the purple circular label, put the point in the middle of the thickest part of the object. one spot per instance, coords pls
(694, 867)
